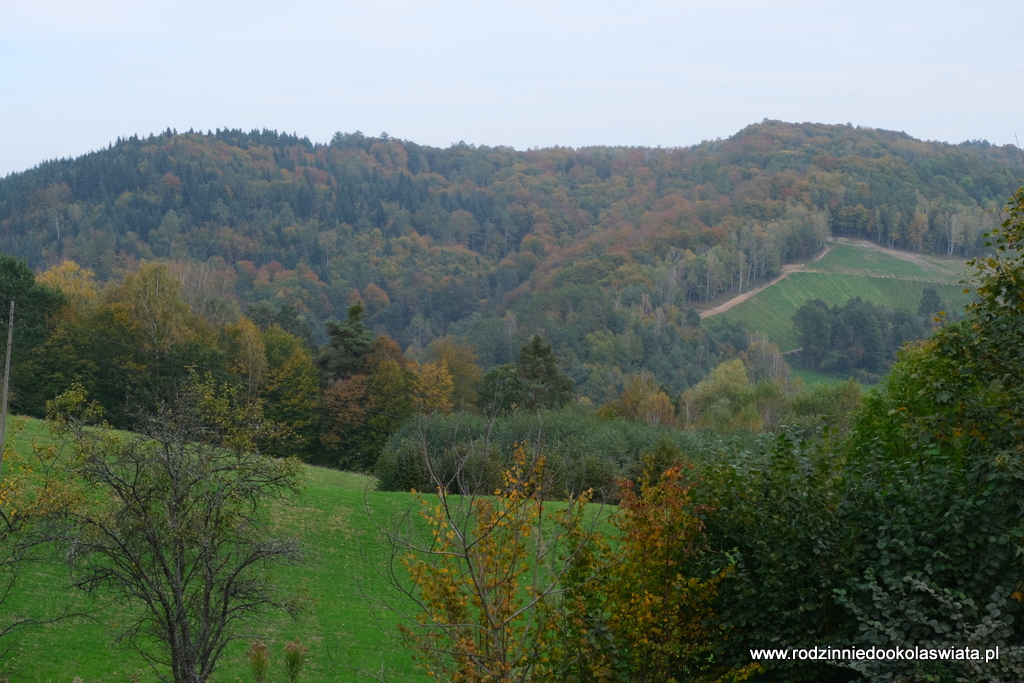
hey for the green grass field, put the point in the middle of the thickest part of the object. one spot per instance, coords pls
(342, 552)
(860, 260)
(849, 271)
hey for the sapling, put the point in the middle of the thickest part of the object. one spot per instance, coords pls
(259, 661)
(294, 657)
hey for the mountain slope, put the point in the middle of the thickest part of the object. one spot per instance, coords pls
(602, 250)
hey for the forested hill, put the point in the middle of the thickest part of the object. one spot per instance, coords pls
(604, 250)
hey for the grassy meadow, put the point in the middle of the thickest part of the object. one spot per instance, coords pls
(340, 624)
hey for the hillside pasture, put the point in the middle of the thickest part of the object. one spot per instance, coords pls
(849, 271)
(865, 258)
(338, 583)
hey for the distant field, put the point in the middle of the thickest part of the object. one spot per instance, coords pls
(866, 260)
(848, 271)
(341, 547)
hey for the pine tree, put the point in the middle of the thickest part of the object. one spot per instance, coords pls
(543, 384)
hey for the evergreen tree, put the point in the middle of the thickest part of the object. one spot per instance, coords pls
(543, 384)
(348, 343)
(33, 305)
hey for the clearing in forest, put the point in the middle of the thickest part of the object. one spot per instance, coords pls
(847, 268)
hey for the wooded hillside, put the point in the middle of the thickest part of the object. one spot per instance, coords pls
(601, 250)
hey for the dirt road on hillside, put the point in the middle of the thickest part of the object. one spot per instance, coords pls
(787, 270)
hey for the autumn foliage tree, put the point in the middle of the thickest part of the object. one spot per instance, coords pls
(480, 579)
(460, 361)
(511, 588)
(649, 616)
(136, 342)
(723, 400)
(643, 400)
(35, 495)
(291, 394)
(362, 411)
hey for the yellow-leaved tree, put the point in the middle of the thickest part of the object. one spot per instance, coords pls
(643, 400)
(77, 283)
(461, 363)
(481, 578)
(247, 355)
(35, 495)
(434, 388)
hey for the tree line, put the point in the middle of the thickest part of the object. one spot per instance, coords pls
(858, 337)
(339, 403)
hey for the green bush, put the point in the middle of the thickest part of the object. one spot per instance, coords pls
(582, 450)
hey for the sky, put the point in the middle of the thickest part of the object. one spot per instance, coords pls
(75, 75)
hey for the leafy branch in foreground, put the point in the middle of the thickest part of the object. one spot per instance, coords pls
(647, 616)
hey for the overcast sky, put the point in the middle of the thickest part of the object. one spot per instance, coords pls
(76, 74)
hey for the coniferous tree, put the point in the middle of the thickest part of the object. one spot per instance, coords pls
(33, 305)
(930, 302)
(543, 384)
(348, 343)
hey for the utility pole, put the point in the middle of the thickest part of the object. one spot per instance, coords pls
(7, 382)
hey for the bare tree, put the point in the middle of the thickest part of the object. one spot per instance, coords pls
(174, 524)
